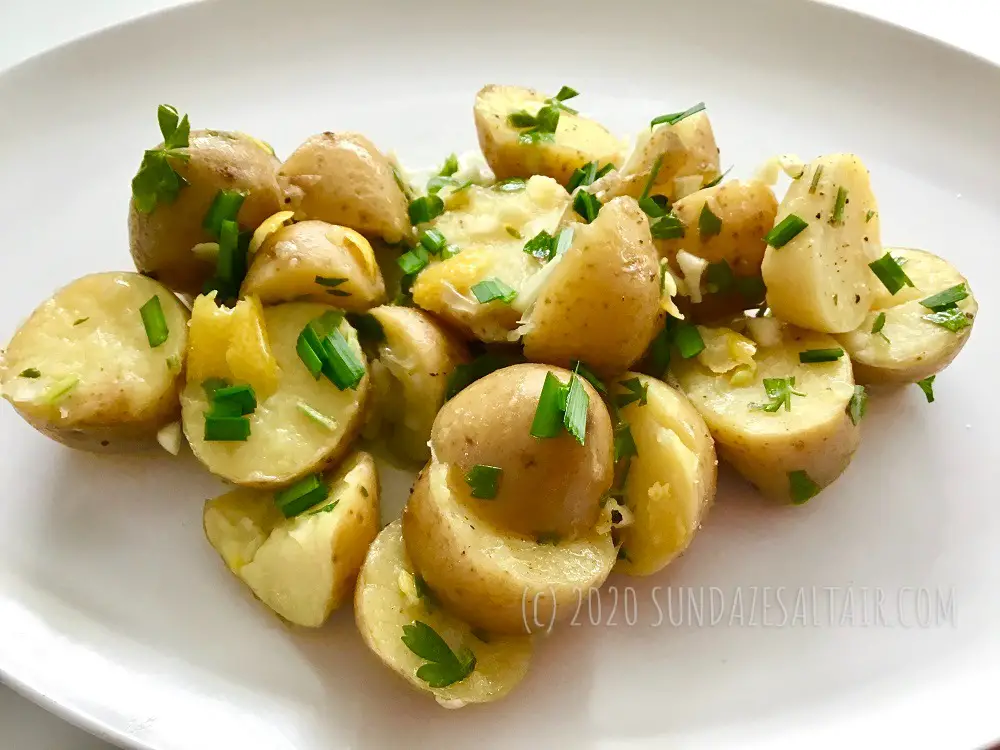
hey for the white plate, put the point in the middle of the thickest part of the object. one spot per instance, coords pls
(114, 611)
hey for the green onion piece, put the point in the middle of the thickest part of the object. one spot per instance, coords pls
(625, 446)
(816, 178)
(653, 172)
(548, 419)
(327, 323)
(450, 166)
(717, 180)
(655, 206)
(709, 225)
(878, 325)
(31, 372)
(230, 265)
(425, 208)
(242, 396)
(946, 299)
(870, 215)
(541, 246)
(590, 376)
(586, 175)
(60, 389)
(951, 318)
(890, 274)
(586, 205)
(484, 481)
(328, 508)
(154, 322)
(340, 365)
(368, 328)
(837, 217)
(785, 231)
(226, 429)
(310, 350)
(688, 340)
(413, 261)
(450, 252)
(858, 404)
(493, 289)
(522, 119)
(225, 206)
(638, 392)
(512, 185)
(676, 117)
(801, 487)
(814, 356)
(577, 404)
(317, 416)
(225, 409)
(927, 386)
(465, 374)
(668, 228)
(564, 240)
(433, 241)
(301, 496)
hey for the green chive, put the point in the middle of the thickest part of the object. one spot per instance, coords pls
(301, 496)
(668, 228)
(638, 392)
(586, 205)
(225, 206)
(785, 231)
(522, 119)
(586, 175)
(890, 274)
(413, 261)
(230, 268)
(858, 404)
(655, 206)
(709, 225)
(653, 172)
(564, 240)
(688, 340)
(330, 281)
(60, 389)
(676, 117)
(816, 177)
(340, 365)
(951, 318)
(878, 325)
(425, 208)
(946, 299)
(548, 419)
(31, 372)
(590, 376)
(927, 386)
(241, 396)
(309, 349)
(717, 180)
(837, 217)
(211, 385)
(467, 373)
(625, 446)
(328, 508)
(801, 487)
(577, 404)
(814, 356)
(317, 416)
(659, 350)
(154, 322)
(433, 241)
(484, 481)
(490, 290)
(450, 166)
(226, 429)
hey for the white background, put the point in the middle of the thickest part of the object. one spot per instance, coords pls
(28, 28)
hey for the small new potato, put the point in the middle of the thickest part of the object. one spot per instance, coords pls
(601, 303)
(910, 347)
(815, 435)
(485, 575)
(671, 482)
(577, 140)
(300, 425)
(81, 369)
(387, 599)
(549, 485)
(318, 262)
(343, 179)
(161, 240)
(304, 567)
(698, 138)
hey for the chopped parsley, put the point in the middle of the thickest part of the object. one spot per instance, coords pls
(444, 667)
(779, 393)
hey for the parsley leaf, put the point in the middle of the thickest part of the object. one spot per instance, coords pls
(444, 666)
(156, 181)
(637, 392)
(927, 386)
(780, 392)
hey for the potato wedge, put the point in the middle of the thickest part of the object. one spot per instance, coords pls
(815, 435)
(343, 179)
(577, 140)
(698, 139)
(81, 369)
(671, 482)
(910, 347)
(820, 279)
(492, 579)
(386, 600)
(318, 262)
(601, 304)
(304, 567)
(410, 377)
(287, 440)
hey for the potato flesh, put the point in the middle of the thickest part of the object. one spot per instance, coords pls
(284, 442)
(92, 329)
(303, 567)
(910, 348)
(382, 608)
(820, 280)
(697, 137)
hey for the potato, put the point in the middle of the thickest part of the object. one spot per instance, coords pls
(161, 240)
(386, 600)
(671, 482)
(820, 279)
(342, 178)
(303, 567)
(410, 375)
(698, 139)
(489, 227)
(815, 436)
(319, 262)
(490, 578)
(81, 369)
(287, 438)
(601, 304)
(909, 347)
(578, 140)
(548, 486)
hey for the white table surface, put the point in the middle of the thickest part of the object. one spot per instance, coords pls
(28, 28)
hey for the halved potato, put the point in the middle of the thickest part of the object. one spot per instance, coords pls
(815, 436)
(81, 369)
(386, 600)
(698, 138)
(820, 279)
(909, 347)
(342, 178)
(319, 262)
(287, 440)
(410, 376)
(601, 303)
(577, 140)
(303, 567)
(498, 581)
(671, 482)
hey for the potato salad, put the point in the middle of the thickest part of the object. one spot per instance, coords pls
(560, 335)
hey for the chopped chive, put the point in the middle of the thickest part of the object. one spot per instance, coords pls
(548, 419)
(484, 481)
(946, 299)
(688, 340)
(328, 508)
(225, 409)
(951, 318)
(31, 372)
(785, 231)
(659, 350)
(467, 373)
(655, 206)
(522, 119)
(878, 325)
(801, 487)
(225, 206)
(676, 117)
(653, 172)
(816, 177)
(60, 389)
(230, 267)
(587, 175)
(413, 261)
(154, 322)
(226, 429)
(211, 385)
(433, 241)
(779, 393)
(301, 496)
(425, 208)
(837, 216)
(317, 416)
(512, 185)
(564, 240)
(719, 277)
(494, 289)
(368, 328)
(240, 396)
(577, 404)
(709, 225)
(330, 281)
(80, 321)
(586, 205)
(309, 349)
(541, 246)
(857, 405)
(890, 274)
(590, 376)
(450, 166)
(717, 180)
(625, 446)
(927, 386)
(870, 215)
(340, 365)
(668, 228)
(814, 356)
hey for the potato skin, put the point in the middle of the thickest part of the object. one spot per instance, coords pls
(551, 485)
(161, 241)
(342, 178)
(601, 305)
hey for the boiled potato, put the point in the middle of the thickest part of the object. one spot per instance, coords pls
(343, 179)
(909, 347)
(319, 262)
(671, 481)
(820, 279)
(601, 303)
(702, 161)
(81, 369)
(306, 566)
(815, 436)
(410, 377)
(161, 240)
(548, 486)
(578, 140)
(387, 600)
(300, 424)
(490, 578)
(489, 227)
